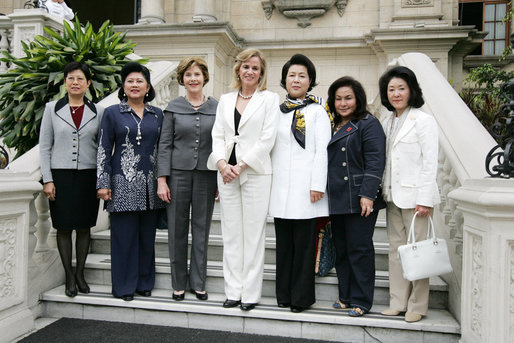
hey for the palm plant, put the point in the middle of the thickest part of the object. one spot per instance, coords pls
(38, 78)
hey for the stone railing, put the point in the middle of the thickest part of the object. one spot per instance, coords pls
(463, 145)
(29, 262)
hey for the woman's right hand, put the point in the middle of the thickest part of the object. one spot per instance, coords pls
(104, 194)
(228, 172)
(163, 191)
(49, 190)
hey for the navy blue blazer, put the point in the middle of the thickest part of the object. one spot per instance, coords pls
(356, 162)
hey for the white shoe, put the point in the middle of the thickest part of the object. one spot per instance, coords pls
(412, 317)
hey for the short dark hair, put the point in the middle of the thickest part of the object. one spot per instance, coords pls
(300, 60)
(360, 97)
(135, 67)
(77, 66)
(404, 73)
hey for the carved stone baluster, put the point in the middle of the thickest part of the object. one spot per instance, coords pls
(43, 224)
(4, 46)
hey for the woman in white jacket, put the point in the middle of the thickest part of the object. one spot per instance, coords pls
(242, 137)
(409, 183)
(299, 161)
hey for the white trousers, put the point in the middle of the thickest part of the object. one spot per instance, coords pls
(243, 220)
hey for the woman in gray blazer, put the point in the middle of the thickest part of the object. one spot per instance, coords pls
(184, 181)
(68, 145)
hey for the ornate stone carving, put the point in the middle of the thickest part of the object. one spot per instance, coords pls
(477, 285)
(7, 257)
(302, 10)
(417, 3)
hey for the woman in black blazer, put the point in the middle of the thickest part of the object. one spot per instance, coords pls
(356, 161)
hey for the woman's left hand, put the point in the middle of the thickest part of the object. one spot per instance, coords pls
(423, 211)
(366, 206)
(316, 196)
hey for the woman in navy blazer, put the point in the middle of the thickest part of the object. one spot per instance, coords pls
(356, 161)
(68, 143)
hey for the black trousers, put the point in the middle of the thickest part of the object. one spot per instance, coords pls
(355, 258)
(296, 240)
(132, 251)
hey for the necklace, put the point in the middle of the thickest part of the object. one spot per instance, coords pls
(195, 106)
(246, 97)
(73, 110)
(138, 136)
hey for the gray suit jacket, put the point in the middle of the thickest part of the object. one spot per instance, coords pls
(186, 140)
(61, 144)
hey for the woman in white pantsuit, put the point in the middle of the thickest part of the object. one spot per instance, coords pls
(409, 182)
(242, 137)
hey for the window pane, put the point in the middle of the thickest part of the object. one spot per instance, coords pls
(500, 31)
(500, 45)
(488, 48)
(489, 27)
(500, 11)
(489, 13)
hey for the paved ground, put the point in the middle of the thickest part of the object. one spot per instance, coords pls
(93, 331)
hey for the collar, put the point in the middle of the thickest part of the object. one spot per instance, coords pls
(65, 100)
(125, 107)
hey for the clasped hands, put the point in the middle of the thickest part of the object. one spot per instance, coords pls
(229, 172)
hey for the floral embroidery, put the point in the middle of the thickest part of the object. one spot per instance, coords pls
(103, 179)
(129, 159)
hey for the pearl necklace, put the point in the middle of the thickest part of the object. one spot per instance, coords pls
(73, 110)
(138, 136)
(195, 106)
(246, 97)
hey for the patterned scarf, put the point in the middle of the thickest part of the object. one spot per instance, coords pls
(298, 123)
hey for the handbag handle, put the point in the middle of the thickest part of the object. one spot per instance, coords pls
(412, 238)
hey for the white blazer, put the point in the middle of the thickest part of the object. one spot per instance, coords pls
(297, 171)
(257, 132)
(413, 158)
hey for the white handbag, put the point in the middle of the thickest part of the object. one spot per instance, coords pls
(426, 258)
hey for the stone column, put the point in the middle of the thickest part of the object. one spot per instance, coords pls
(152, 12)
(487, 295)
(204, 11)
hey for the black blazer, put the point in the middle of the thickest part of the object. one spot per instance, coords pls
(356, 162)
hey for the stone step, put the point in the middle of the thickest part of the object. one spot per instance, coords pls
(320, 322)
(100, 244)
(98, 271)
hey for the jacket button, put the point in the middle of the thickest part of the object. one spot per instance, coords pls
(196, 141)
(197, 118)
(197, 125)
(196, 148)
(343, 149)
(344, 164)
(195, 156)
(346, 178)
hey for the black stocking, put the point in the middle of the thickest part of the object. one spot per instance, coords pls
(64, 246)
(82, 248)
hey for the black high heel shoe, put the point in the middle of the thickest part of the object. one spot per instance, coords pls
(70, 287)
(82, 285)
(200, 296)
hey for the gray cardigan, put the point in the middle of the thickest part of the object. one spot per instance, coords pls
(186, 140)
(61, 145)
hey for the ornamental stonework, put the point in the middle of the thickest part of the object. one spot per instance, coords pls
(7, 258)
(477, 285)
(417, 3)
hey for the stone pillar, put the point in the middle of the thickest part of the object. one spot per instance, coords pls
(204, 11)
(17, 191)
(487, 295)
(152, 12)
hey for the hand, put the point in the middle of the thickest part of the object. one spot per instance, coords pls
(104, 194)
(49, 190)
(423, 211)
(366, 206)
(316, 196)
(230, 173)
(163, 191)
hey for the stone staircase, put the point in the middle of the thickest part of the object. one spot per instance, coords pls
(321, 322)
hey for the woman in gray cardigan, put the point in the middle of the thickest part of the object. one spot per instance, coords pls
(184, 181)
(68, 143)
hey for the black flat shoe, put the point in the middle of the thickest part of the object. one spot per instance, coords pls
(71, 292)
(144, 293)
(178, 297)
(247, 306)
(127, 297)
(297, 309)
(200, 296)
(284, 305)
(231, 303)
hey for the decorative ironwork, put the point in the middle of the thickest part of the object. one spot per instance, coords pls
(4, 158)
(36, 4)
(503, 131)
